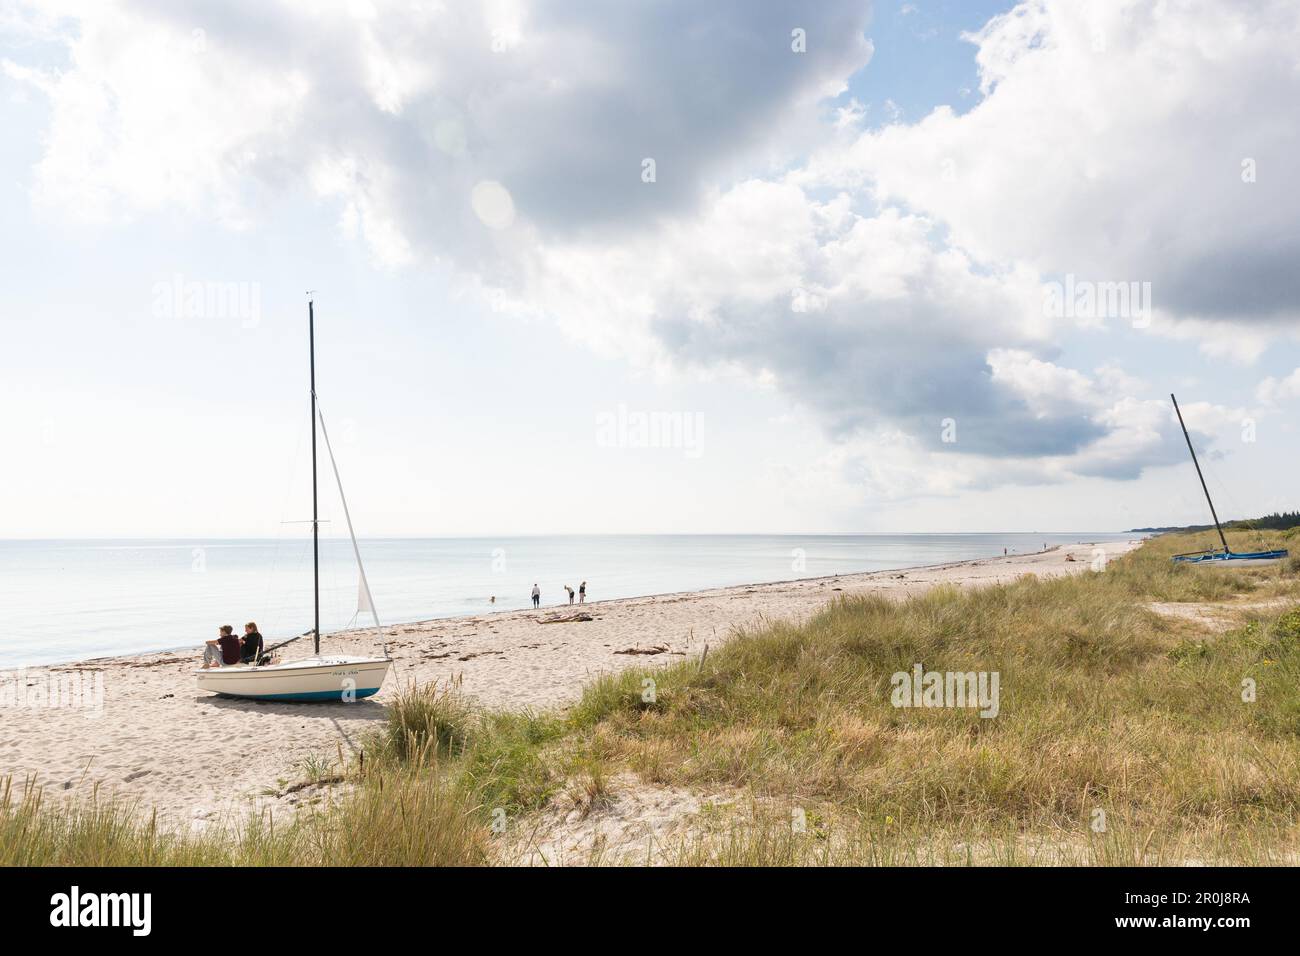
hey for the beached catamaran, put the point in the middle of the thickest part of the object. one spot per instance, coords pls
(1214, 554)
(315, 677)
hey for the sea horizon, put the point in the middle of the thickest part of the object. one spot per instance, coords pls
(483, 536)
(80, 598)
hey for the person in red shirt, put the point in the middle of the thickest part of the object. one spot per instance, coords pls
(230, 646)
(224, 651)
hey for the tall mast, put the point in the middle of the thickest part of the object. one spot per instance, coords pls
(1188, 439)
(315, 522)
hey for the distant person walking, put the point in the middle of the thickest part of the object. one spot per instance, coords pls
(537, 596)
(570, 590)
(582, 593)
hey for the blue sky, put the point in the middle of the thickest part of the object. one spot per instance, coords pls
(470, 347)
(920, 59)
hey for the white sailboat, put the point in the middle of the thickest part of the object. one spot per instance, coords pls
(317, 677)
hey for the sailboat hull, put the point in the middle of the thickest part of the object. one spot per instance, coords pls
(1220, 557)
(311, 679)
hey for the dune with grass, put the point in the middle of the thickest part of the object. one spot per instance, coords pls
(1126, 732)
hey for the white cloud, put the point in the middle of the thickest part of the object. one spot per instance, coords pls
(1046, 388)
(1110, 145)
(883, 281)
(423, 101)
(1271, 391)
(152, 115)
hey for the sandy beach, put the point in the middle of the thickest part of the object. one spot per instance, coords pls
(196, 758)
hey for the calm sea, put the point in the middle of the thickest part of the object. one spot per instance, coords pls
(71, 600)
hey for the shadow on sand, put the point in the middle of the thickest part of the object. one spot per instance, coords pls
(365, 709)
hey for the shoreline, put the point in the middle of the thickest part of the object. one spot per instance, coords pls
(197, 758)
(197, 649)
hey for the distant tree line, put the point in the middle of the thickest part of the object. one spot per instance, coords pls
(1278, 521)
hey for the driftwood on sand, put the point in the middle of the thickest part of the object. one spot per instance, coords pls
(560, 617)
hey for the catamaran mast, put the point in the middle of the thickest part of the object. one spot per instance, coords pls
(1188, 439)
(315, 522)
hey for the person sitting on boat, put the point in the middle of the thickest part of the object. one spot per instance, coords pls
(250, 645)
(212, 652)
(224, 650)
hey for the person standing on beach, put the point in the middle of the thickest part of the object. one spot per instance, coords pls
(570, 590)
(537, 595)
(582, 593)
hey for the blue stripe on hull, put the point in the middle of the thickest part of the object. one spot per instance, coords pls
(311, 695)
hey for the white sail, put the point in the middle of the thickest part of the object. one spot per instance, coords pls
(365, 600)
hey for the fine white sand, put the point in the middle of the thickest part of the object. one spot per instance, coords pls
(197, 757)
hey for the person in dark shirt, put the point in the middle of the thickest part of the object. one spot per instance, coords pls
(229, 645)
(251, 646)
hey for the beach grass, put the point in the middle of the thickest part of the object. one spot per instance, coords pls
(402, 818)
(1123, 734)
(425, 722)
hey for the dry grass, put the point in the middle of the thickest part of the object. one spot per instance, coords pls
(1108, 712)
(425, 721)
(387, 819)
